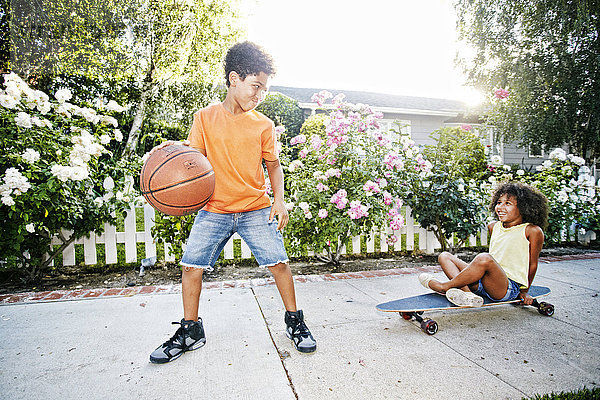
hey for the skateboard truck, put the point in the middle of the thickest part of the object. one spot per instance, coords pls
(543, 308)
(430, 327)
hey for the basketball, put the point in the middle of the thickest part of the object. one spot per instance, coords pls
(177, 180)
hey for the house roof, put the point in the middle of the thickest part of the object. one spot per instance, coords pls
(378, 100)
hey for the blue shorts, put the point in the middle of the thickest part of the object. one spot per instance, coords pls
(211, 231)
(511, 293)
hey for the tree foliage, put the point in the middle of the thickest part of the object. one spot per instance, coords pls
(170, 50)
(547, 55)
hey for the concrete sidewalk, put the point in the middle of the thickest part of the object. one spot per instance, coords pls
(98, 348)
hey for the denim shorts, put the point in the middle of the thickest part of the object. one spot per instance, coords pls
(211, 231)
(511, 293)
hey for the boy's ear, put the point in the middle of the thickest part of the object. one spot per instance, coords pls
(234, 78)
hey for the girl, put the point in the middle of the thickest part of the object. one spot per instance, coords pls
(507, 271)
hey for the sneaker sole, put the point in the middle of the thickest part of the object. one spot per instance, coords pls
(300, 349)
(463, 299)
(196, 346)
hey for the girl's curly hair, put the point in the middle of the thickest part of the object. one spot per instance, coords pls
(532, 204)
(247, 58)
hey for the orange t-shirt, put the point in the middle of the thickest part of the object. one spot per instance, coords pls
(235, 145)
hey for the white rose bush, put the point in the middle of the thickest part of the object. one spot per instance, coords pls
(56, 173)
(572, 193)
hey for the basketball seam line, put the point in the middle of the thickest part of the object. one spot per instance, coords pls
(178, 183)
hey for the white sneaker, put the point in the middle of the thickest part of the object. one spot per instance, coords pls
(424, 278)
(464, 299)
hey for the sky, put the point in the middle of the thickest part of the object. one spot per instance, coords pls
(402, 47)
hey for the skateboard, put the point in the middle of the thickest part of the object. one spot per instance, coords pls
(412, 308)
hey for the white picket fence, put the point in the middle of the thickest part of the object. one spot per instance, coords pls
(130, 237)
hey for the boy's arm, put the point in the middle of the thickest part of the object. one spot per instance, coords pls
(278, 209)
(535, 235)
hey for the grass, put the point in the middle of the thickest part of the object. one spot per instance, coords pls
(583, 394)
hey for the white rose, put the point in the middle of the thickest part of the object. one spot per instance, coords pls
(8, 201)
(558, 154)
(30, 156)
(44, 107)
(114, 106)
(8, 101)
(62, 172)
(79, 173)
(63, 95)
(578, 160)
(520, 172)
(547, 164)
(23, 120)
(118, 135)
(13, 90)
(496, 160)
(90, 115)
(30, 228)
(105, 139)
(63, 111)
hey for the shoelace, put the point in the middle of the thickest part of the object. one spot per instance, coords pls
(178, 336)
(300, 329)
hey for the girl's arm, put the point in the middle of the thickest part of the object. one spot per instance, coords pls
(490, 228)
(535, 235)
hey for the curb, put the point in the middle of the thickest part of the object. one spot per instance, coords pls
(86, 294)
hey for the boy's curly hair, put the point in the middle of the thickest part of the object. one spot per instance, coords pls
(532, 204)
(247, 58)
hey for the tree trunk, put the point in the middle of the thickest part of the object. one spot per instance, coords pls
(136, 127)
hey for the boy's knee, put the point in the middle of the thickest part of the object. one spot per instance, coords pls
(279, 267)
(192, 272)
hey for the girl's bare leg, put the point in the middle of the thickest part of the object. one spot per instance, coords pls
(452, 266)
(483, 267)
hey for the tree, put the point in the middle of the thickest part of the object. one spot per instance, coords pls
(283, 111)
(171, 50)
(546, 54)
(176, 41)
(50, 37)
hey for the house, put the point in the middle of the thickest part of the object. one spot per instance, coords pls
(420, 116)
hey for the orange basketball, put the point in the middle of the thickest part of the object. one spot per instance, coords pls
(177, 180)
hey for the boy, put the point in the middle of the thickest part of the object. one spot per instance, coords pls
(236, 139)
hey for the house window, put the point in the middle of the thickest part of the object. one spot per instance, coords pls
(536, 151)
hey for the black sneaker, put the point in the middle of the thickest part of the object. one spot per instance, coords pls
(189, 336)
(297, 330)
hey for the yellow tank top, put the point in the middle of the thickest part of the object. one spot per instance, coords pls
(510, 249)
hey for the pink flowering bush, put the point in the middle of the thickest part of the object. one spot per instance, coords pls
(342, 183)
(501, 94)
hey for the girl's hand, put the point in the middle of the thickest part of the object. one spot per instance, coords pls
(526, 298)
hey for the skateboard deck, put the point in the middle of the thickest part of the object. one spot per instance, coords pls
(414, 306)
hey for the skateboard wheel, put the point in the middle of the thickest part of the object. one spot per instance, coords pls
(429, 326)
(406, 316)
(546, 309)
